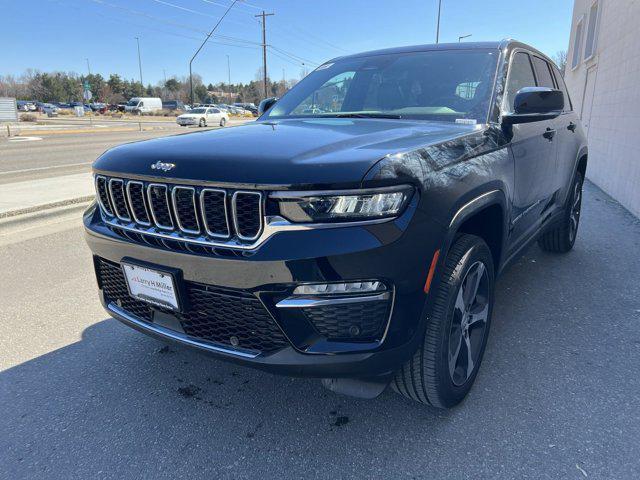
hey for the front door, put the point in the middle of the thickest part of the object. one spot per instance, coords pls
(534, 149)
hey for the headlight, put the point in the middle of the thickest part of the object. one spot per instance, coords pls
(353, 205)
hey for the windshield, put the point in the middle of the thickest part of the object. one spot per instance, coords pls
(133, 103)
(446, 85)
(197, 110)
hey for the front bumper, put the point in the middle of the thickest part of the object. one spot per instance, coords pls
(397, 252)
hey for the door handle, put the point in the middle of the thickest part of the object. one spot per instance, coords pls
(549, 134)
(571, 126)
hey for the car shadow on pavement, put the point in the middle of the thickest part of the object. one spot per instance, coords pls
(555, 391)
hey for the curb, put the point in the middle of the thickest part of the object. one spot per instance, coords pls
(42, 210)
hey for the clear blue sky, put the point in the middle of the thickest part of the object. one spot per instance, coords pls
(59, 35)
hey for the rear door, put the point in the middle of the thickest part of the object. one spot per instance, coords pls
(534, 150)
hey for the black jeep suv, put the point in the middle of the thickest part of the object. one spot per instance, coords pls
(354, 232)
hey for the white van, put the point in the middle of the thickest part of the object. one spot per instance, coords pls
(142, 105)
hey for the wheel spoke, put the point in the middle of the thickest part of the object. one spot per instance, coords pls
(467, 342)
(453, 356)
(460, 304)
(473, 283)
(479, 316)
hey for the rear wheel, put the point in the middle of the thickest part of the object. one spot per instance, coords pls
(562, 237)
(223, 122)
(445, 366)
(202, 123)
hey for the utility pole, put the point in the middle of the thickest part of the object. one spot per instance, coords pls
(264, 48)
(139, 61)
(229, 75)
(200, 48)
(438, 24)
(88, 66)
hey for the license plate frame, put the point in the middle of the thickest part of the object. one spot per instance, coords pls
(157, 286)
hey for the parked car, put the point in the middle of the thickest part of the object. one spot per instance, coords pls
(173, 105)
(361, 244)
(26, 106)
(203, 117)
(140, 105)
(49, 109)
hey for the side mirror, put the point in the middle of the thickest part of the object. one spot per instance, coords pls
(533, 104)
(266, 104)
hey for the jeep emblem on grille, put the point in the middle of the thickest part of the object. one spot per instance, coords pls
(165, 167)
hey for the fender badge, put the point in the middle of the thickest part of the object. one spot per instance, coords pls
(165, 167)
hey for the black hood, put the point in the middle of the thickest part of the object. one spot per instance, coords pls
(295, 152)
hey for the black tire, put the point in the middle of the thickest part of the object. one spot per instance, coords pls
(562, 237)
(223, 122)
(202, 123)
(427, 377)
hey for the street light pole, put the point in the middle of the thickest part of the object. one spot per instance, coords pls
(438, 24)
(88, 66)
(229, 75)
(139, 61)
(200, 48)
(464, 36)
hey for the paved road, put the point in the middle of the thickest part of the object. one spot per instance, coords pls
(57, 155)
(558, 396)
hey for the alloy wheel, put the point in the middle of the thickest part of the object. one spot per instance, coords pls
(468, 326)
(574, 215)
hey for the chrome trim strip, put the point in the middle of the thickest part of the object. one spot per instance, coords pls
(273, 225)
(109, 210)
(178, 337)
(316, 301)
(468, 204)
(204, 215)
(144, 203)
(113, 202)
(235, 214)
(298, 194)
(195, 209)
(166, 197)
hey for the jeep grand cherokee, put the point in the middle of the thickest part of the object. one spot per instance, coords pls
(354, 232)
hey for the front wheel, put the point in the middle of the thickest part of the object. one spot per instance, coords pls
(445, 366)
(563, 236)
(202, 123)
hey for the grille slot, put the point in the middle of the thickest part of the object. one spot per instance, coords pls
(159, 204)
(248, 226)
(213, 204)
(135, 194)
(103, 195)
(229, 317)
(181, 213)
(116, 189)
(184, 205)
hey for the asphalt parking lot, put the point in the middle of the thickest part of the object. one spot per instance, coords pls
(558, 394)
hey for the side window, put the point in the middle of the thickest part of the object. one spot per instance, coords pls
(141, 104)
(545, 79)
(215, 110)
(577, 45)
(520, 76)
(562, 86)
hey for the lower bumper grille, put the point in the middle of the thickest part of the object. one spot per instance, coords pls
(230, 318)
(350, 322)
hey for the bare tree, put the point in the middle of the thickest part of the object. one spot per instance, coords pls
(561, 60)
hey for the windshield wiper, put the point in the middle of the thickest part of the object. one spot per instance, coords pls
(366, 115)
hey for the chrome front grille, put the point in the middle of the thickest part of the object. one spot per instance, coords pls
(181, 212)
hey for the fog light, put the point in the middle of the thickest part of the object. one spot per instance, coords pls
(340, 288)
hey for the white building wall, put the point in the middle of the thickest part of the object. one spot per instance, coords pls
(611, 114)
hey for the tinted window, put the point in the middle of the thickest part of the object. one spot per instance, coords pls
(445, 85)
(543, 73)
(214, 110)
(520, 76)
(562, 86)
